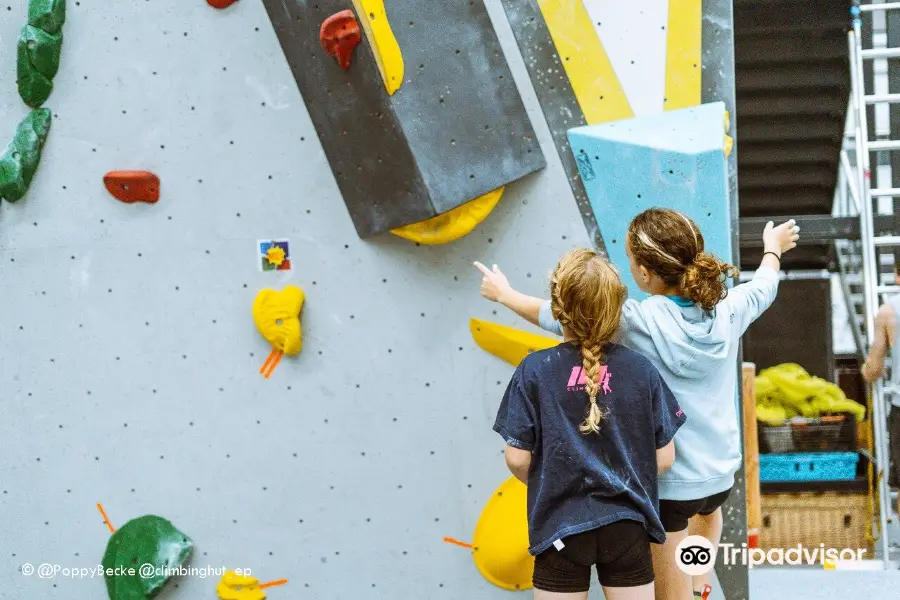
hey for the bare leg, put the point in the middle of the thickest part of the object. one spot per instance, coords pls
(671, 582)
(542, 595)
(710, 527)
(641, 592)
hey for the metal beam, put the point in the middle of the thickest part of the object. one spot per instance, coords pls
(814, 229)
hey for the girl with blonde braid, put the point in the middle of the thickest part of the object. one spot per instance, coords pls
(689, 329)
(588, 426)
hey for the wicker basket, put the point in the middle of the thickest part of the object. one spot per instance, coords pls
(838, 520)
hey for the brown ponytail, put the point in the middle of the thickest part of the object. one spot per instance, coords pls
(670, 245)
(586, 297)
(703, 281)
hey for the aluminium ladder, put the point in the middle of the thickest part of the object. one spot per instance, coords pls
(870, 243)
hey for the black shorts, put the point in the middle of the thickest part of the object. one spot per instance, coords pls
(675, 514)
(894, 440)
(620, 551)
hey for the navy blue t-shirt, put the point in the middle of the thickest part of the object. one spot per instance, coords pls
(579, 482)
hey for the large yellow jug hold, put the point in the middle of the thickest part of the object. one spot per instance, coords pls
(508, 343)
(277, 316)
(500, 543)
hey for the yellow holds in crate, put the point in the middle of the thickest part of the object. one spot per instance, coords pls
(788, 390)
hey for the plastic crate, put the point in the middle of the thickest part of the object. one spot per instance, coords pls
(826, 434)
(808, 466)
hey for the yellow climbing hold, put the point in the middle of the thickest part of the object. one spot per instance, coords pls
(512, 345)
(727, 121)
(373, 18)
(275, 255)
(594, 81)
(453, 224)
(729, 145)
(500, 543)
(277, 317)
(239, 587)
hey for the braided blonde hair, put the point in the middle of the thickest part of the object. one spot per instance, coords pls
(586, 297)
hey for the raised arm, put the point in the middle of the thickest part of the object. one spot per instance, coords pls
(777, 241)
(749, 300)
(495, 287)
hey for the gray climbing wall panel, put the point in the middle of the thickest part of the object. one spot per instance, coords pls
(556, 97)
(129, 359)
(455, 130)
(718, 85)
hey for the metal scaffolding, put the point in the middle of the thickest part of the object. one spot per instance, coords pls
(870, 245)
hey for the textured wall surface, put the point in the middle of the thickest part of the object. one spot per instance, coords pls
(455, 130)
(129, 357)
(673, 159)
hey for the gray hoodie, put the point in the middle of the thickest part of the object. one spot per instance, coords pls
(696, 354)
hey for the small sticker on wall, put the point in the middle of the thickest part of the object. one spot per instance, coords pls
(275, 255)
(584, 166)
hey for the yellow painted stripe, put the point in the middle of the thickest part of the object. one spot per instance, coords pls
(373, 18)
(596, 86)
(683, 54)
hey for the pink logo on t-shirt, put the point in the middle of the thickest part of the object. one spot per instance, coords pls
(578, 379)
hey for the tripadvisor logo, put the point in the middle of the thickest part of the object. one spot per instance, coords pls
(696, 555)
(795, 555)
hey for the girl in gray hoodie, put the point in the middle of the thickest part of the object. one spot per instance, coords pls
(690, 330)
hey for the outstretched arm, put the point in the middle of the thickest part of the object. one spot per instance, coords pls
(749, 300)
(885, 321)
(495, 287)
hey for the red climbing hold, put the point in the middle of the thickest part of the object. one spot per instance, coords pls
(133, 186)
(340, 35)
(220, 3)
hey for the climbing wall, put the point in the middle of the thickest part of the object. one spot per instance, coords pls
(129, 360)
(593, 62)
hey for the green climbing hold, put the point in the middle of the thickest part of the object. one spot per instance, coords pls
(20, 160)
(140, 556)
(48, 15)
(37, 64)
(40, 46)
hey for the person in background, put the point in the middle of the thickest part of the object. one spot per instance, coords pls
(588, 426)
(883, 343)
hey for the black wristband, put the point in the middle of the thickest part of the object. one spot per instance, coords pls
(778, 256)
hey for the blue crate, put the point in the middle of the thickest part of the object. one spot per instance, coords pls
(813, 466)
